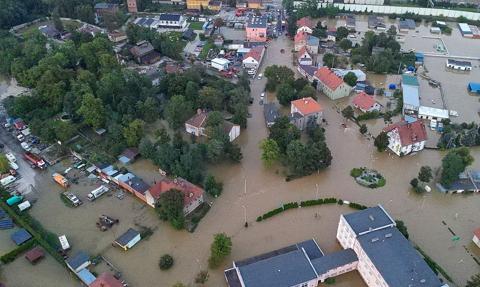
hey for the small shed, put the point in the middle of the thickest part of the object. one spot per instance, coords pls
(128, 155)
(34, 255)
(419, 58)
(474, 87)
(21, 236)
(78, 262)
(86, 276)
(128, 239)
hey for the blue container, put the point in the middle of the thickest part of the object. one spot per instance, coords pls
(392, 87)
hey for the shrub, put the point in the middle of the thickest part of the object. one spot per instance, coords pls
(290, 205)
(381, 182)
(414, 182)
(272, 213)
(12, 255)
(356, 172)
(166, 262)
(259, 218)
(369, 115)
(357, 206)
(330, 281)
(340, 202)
(202, 277)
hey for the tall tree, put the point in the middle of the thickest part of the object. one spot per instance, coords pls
(270, 152)
(170, 208)
(177, 111)
(381, 141)
(133, 133)
(4, 164)
(92, 111)
(425, 174)
(220, 248)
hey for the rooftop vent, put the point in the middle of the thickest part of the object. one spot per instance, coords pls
(388, 235)
(375, 239)
(371, 217)
(423, 281)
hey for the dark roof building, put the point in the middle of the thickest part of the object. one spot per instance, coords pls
(128, 239)
(144, 53)
(368, 219)
(78, 262)
(170, 17)
(34, 255)
(20, 236)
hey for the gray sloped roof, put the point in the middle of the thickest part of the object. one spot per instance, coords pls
(125, 238)
(368, 219)
(170, 17)
(284, 270)
(270, 112)
(77, 260)
(399, 263)
(334, 260)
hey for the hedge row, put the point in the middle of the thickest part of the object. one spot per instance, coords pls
(318, 202)
(307, 203)
(12, 255)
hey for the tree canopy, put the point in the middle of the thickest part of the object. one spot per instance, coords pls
(454, 163)
(221, 247)
(170, 208)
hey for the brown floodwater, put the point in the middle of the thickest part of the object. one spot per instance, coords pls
(266, 189)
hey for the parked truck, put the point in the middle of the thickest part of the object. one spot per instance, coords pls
(96, 193)
(60, 179)
(35, 160)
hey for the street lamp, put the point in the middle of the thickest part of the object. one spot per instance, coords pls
(245, 215)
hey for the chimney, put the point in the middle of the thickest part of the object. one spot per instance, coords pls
(199, 111)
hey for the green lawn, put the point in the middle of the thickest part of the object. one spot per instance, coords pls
(196, 25)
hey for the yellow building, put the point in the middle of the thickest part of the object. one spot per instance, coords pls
(255, 4)
(197, 4)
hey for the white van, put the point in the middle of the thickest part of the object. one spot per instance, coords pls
(11, 157)
(13, 165)
(7, 180)
(24, 205)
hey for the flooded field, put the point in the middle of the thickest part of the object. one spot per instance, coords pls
(427, 216)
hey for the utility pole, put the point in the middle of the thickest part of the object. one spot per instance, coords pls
(316, 190)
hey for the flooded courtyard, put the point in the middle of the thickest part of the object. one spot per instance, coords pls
(428, 216)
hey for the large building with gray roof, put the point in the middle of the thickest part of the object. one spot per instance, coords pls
(372, 245)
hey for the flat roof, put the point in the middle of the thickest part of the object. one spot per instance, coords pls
(20, 236)
(221, 61)
(395, 258)
(368, 219)
(433, 112)
(410, 80)
(464, 27)
(410, 95)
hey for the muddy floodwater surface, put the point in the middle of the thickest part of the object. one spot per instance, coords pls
(250, 190)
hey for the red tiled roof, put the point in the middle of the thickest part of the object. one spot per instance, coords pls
(305, 22)
(363, 101)
(198, 120)
(307, 106)
(106, 280)
(255, 52)
(409, 133)
(190, 191)
(302, 36)
(171, 68)
(476, 232)
(328, 78)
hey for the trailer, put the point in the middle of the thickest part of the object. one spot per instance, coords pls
(96, 193)
(35, 160)
(64, 245)
(61, 180)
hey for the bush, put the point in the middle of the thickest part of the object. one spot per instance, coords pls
(12, 255)
(260, 218)
(381, 182)
(356, 172)
(166, 262)
(369, 116)
(272, 213)
(290, 205)
(357, 206)
(202, 277)
(330, 281)
(414, 182)
(340, 202)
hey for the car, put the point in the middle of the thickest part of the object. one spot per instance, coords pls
(72, 198)
(20, 137)
(26, 146)
(251, 72)
(262, 95)
(260, 76)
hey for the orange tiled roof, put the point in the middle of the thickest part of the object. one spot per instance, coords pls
(305, 22)
(302, 36)
(364, 101)
(307, 106)
(409, 133)
(328, 78)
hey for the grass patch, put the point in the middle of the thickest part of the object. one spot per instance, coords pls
(12, 255)
(196, 25)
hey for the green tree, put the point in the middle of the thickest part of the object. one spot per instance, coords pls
(425, 174)
(92, 111)
(170, 208)
(4, 164)
(221, 247)
(133, 133)
(270, 152)
(329, 60)
(363, 129)
(351, 79)
(342, 33)
(278, 75)
(307, 91)
(392, 31)
(166, 262)
(177, 111)
(283, 132)
(453, 164)
(474, 281)
(211, 98)
(56, 21)
(414, 182)
(381, 141)
(285, 94)
(146, 148)
(212, 187)
(64, 130)
(345, 44)
(348, 112)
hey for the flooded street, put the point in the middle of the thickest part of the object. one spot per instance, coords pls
(267, 189)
